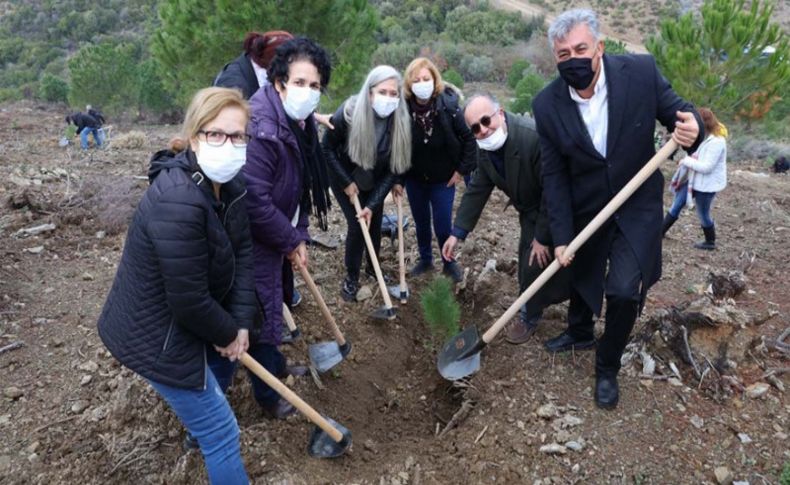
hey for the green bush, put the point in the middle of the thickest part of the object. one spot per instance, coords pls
(612, 46)
(474, 68)
(53, 89)
(105, 74)
(453, 77)
(516, 72)
(440, 308)
(784, 479)
(397, 55)
(526, 89)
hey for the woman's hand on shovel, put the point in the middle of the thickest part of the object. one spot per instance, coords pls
(298, 256)
(366, 215)
(235, 349)
(559, 253)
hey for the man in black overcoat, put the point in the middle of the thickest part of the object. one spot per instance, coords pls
(596, 123)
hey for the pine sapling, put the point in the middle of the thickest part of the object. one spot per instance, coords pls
(440, 309)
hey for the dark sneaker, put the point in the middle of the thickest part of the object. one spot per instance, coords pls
(607, 392)
(191, 443)
(453, 271)
(519, 332)
(421, 267)
(565, 341)
(349, 290)
(279, 410)
(297, 298)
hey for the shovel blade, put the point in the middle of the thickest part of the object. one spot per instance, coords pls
(396, 292)
(383, 313)
(323, 446)
(460, 356)
(325, 355)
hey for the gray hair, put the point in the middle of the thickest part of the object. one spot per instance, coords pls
(567, 20)
(359, 114)
(482, 94)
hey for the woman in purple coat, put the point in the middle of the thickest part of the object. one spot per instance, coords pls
(286, 181)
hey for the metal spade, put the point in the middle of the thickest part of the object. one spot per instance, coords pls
(325, 355)
(329, 439)
(387, 312)
(460, 356)
(400, 291)
(295, 333)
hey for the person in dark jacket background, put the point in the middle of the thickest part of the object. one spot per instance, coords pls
(286, 181)
(443, 152)
(369, 147)
(248, 71)
(184, 285)
(86, 125)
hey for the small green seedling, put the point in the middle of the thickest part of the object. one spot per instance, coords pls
(440, 309)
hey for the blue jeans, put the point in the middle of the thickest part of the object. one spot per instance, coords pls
(207, 416)
(428, 200)
(703, 200)
(269, 356)
(84, 137)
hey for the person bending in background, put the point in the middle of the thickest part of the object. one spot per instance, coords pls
(369, 148)
(86, 125)
(443, 152)
(705, 174)
(184, 286)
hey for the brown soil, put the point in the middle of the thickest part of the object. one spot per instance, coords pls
(82, 418)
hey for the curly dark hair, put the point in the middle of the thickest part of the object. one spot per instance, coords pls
(299, 49)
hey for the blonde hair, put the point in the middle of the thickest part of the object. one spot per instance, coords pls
(359, 115)
(204, 107)
(414, 67)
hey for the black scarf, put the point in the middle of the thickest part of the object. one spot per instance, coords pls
(423, 114)
(315, 180)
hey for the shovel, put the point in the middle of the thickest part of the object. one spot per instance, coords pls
(289, 321)
(400, 291)
(460, 356)
(329, 439)
(388, 312)
(325, 355)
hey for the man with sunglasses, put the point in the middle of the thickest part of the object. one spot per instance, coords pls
(596, 124)
(509, 159)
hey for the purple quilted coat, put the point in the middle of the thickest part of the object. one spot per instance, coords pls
(274, 188)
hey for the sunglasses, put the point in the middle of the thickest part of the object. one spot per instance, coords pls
(484, 121)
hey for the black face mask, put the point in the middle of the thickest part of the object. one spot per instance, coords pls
(577, 72)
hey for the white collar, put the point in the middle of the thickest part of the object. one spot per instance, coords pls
(600, 86)
(260, 73)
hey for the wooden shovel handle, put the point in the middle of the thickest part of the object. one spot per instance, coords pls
(372, 253)
(289, 319)
(401, 257)
(290, 396)
(341, 340)
(610, 208)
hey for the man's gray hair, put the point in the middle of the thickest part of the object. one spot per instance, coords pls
(566, 21)
(482, 94)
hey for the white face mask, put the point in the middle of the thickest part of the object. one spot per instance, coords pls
(384, 105)
(221, 164)
(300, 102)
(423, 90)
(494, 141)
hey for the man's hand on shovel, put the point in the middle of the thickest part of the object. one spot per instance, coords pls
(366, 215)
(565, 260)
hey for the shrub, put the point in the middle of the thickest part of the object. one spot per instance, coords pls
(440, 309)
(475, 68)
(53, 89)
(453, 77)
(516, 72)
(526, 89)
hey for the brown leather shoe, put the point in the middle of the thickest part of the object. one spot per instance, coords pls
(518, 332)
(279, 410)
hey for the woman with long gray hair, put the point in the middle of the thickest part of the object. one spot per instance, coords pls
(367, 151)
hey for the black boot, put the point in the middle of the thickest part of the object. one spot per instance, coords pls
(349, 289)
(710, 239)
(607, 392)
(669, 219)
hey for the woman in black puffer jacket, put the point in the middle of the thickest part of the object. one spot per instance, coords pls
(185, 280)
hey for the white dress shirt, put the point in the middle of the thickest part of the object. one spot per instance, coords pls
(595, 112)
(260, 73)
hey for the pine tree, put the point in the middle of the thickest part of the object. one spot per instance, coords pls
(197, 37)
(731, 59)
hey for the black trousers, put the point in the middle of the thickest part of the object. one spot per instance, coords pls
(623, 297)
(355, 242)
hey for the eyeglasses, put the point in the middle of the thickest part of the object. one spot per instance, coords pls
(218, 138)
(484, 121)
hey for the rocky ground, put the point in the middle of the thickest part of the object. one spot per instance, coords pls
(703, 390)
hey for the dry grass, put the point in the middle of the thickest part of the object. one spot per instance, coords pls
(132, 140)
